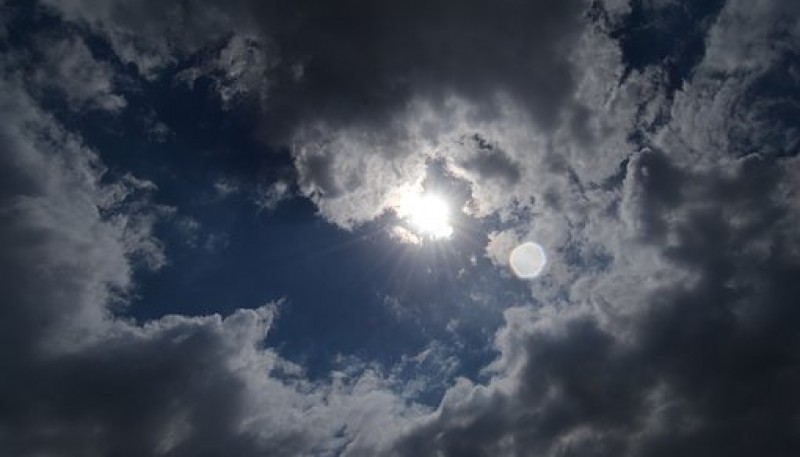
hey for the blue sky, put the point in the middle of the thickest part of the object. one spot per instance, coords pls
(218, 237)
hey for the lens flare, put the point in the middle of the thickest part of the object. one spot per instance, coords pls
(528, 260)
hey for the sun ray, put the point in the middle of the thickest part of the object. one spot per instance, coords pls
(428, 215)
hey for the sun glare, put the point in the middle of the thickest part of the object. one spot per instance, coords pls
(428, 215)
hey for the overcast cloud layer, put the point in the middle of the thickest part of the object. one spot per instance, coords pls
(650, 147)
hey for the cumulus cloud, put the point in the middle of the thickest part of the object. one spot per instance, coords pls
(353, 75)
(682, 371)
(59, 221)
(87, 383)
(666, 324)
(673, 361)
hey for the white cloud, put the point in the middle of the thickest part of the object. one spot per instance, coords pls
(500, 246)
(352, 174)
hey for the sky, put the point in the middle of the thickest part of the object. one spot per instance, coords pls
(400, 228)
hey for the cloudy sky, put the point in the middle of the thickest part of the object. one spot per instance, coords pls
(400, 228)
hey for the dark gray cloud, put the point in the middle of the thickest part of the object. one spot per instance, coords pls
(167, 390)
(363, 60)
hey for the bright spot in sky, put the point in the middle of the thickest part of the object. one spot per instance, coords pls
(428, 215)
(528, 260)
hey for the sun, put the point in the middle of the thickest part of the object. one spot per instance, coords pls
(427, 214)
(430, 215)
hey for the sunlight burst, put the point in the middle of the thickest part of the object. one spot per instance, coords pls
(428, 215)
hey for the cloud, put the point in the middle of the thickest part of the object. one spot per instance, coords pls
(352, 175)
(500, 245)
(741, 39)
(241, 68)
(146, 34)
(64, 65)
(88, 383)
(538, 404)
(164, 388)
(666, 322)
(684, 371)
(86, 83)
(680, 342)
(332, 74)
(490, 164)
(60, 224)
(270, 197)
